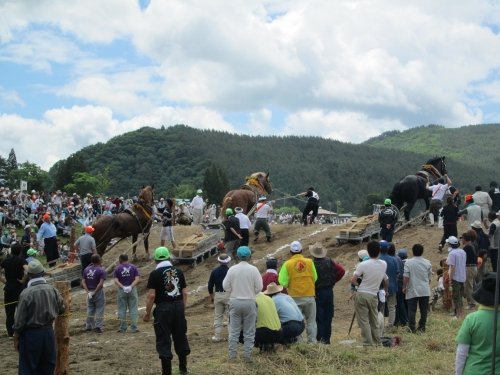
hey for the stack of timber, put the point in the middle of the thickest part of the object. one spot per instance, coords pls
(359, 229)
(196, 248)
(71, 272)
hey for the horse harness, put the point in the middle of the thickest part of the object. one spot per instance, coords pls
(145, 209)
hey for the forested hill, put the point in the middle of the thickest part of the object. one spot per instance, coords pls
(340, 172)
(475, 145)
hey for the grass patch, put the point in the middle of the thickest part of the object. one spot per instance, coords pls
(428, 353)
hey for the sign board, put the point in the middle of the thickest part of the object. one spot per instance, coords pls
(24, 185)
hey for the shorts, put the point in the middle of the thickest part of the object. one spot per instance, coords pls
(458, 293)
(167, 234)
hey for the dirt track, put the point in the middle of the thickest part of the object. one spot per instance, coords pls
(115, 353)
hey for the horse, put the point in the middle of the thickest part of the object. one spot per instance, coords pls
(246, 196)
(413, 187)
(130, 222)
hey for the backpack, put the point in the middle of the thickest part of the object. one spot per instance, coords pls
(339, 271)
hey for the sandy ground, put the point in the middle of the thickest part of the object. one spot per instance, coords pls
(115, 353)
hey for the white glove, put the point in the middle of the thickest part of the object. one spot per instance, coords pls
(90, 295)
(127, 289)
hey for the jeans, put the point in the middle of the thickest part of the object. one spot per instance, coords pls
(308, 307)
(127, 301)
(386, 234)
(95, 310)
(324, 314)
(242, 316)
(423, 305)
(291, 330)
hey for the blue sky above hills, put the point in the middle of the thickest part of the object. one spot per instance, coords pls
(76, 73)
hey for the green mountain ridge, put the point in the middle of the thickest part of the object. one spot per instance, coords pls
(344, 174)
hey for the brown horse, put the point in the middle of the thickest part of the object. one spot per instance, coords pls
(246, 196)
(131, 222)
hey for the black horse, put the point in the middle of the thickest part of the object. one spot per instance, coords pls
(413, 187)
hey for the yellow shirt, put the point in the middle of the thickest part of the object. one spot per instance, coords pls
(298, 274)
(267, 316)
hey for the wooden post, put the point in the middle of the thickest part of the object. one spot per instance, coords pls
(62, 330)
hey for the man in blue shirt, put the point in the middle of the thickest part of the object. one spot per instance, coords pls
(219, 297)
(392, 273)
(47, 233)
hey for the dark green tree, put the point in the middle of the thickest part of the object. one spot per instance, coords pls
(11, 166)
(215, 184)
(3, 171)
(370, 200)
(64, 170)
(36, 178)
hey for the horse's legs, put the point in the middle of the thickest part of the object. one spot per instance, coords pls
(134, 248)
(408, 208)
(146, 246)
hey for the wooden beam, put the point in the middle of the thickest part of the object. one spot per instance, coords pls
(62, 330)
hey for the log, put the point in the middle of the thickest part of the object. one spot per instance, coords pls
(62, 330)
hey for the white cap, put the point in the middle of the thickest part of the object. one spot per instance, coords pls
(295, 247)
(452, 240)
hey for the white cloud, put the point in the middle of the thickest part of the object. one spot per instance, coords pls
(347, 69)
(343, 126)
(64, 131)
(10, 98)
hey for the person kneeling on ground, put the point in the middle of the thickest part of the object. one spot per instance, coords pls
(291, 318)
(268, 326)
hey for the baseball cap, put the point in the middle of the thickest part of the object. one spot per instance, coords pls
(384, 244)
(229, 211)
(162, 253)
(243, 252)
(452, 240)
(199, 191)
(295, 247)
(89, 229)
(387, 201)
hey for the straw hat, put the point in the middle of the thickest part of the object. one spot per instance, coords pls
(317, 250)
(272, 288)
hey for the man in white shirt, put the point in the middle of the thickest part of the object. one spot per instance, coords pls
(243, 282)
(245, 225)
(438, 192)
(197, 206)
(262, 212)
(372, 274)
(483, 200)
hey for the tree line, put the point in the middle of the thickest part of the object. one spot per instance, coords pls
(179, 159)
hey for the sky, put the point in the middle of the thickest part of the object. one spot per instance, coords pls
(77, 72)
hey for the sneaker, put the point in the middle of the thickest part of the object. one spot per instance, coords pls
(134, 331)
(440, 247)
(454, 317)
(216, 339)
(121, 331)
(88, 329)
(98, 330)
